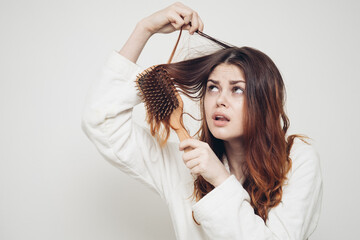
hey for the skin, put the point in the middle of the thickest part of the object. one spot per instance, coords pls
(229, 97)
(224, 95)
(200, 160)
(166, 20)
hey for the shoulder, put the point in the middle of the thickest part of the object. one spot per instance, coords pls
(301, 147)
(121, 65)
(304, 157)
(304, 179)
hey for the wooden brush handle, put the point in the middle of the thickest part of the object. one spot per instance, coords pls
(176, 122)
(182, 135)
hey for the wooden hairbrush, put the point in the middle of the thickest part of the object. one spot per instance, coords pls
(163, 103)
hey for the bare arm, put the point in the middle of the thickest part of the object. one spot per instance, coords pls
(136, 42)
(166, 20)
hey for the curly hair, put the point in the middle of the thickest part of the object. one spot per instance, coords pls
(266, 147)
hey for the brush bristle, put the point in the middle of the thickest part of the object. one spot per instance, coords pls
(158, 93)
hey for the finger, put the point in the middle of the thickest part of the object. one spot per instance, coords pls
(194, 23)
(201, 24)
(194, 175)
(190, 142)
(196, 170)
(186, 27)
(193, 163)
(176, 20)
(186, 13)
(183, 10)
(187, 18)
(190, 155)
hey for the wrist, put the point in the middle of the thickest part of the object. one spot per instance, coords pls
(221, 179)
(143, 27)
(135, 44)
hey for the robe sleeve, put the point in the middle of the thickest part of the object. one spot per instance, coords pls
(107, 122)
(226, 213)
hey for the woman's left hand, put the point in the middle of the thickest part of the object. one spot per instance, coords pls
(201, 160)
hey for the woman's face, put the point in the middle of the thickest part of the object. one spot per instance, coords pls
(224, 102)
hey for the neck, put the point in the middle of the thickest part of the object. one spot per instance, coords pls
(235, 154)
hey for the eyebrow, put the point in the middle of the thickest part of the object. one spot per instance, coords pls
(232, 82)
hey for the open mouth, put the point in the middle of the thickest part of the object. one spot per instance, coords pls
(221, 118)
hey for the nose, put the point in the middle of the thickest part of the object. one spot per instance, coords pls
(222, 100)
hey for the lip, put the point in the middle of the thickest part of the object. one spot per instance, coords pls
(220, 114)
(220, 123)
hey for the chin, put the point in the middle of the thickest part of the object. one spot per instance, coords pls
(224, 135)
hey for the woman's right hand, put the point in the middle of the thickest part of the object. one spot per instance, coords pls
(166, 20)
(173, 18)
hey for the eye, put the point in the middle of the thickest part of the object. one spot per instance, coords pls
(238, 90)
(213, 88)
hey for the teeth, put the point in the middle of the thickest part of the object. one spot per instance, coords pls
(219, 117)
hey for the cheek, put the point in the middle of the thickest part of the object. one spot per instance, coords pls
(240, 112)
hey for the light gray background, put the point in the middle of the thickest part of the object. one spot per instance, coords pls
(55, 185)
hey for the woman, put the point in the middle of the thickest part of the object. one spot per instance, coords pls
(251, 181)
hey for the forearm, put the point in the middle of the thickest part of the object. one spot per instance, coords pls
(167, 20)
(136, 42)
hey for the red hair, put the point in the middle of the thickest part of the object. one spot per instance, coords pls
(266, 147)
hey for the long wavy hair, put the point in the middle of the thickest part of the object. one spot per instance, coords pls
(266, 147)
